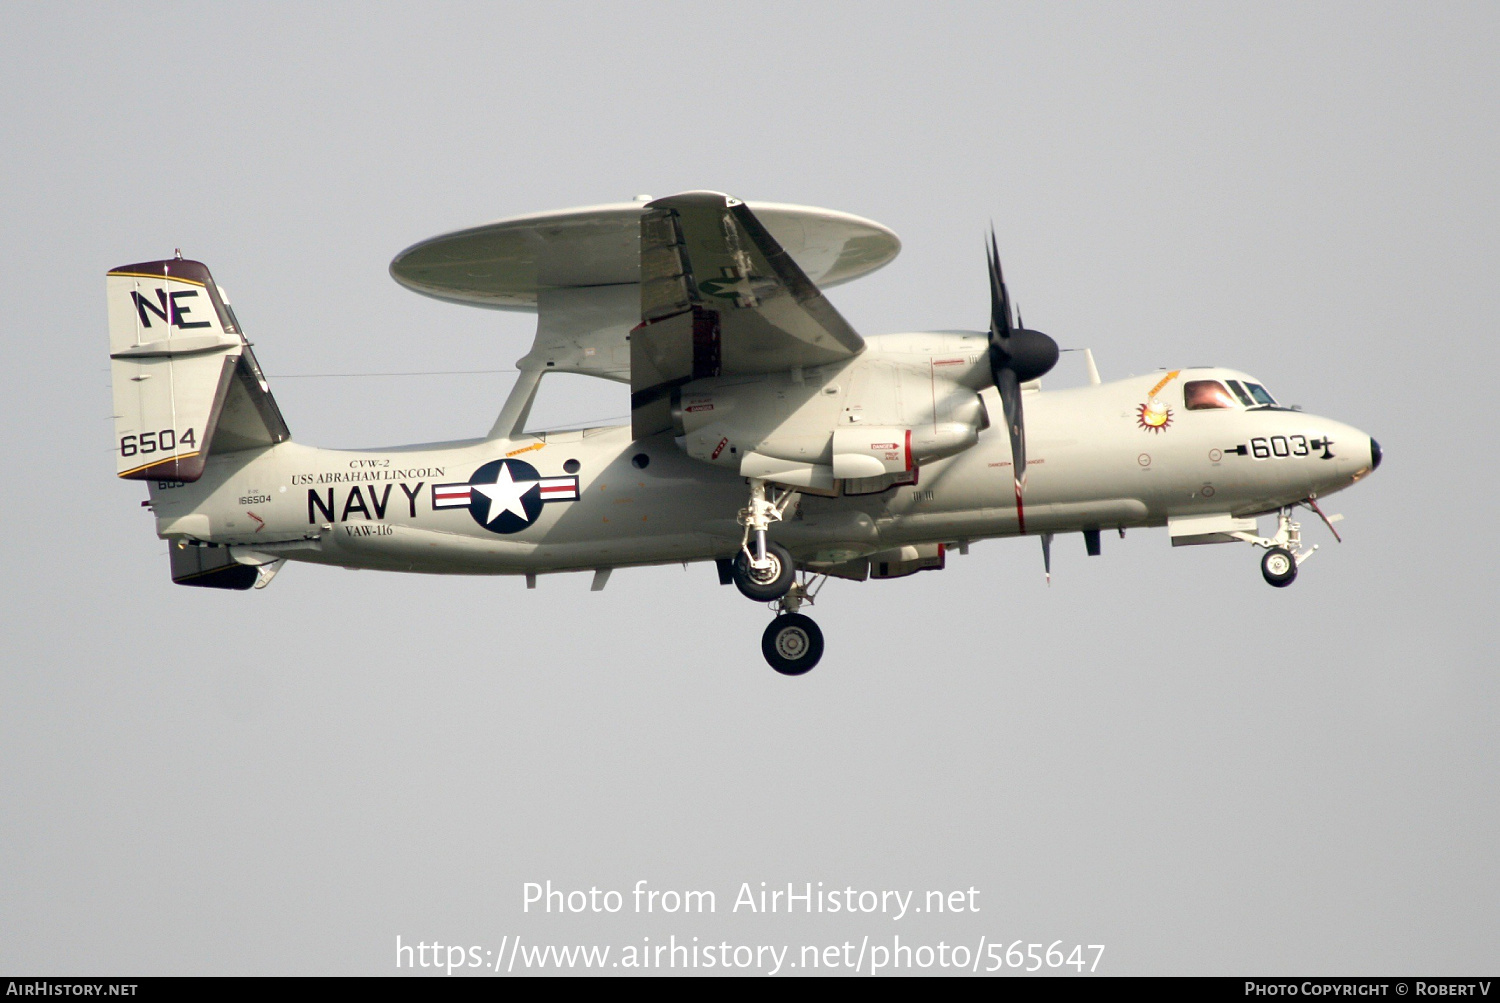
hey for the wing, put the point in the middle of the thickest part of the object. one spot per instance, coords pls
(580, 270)
(720, 296)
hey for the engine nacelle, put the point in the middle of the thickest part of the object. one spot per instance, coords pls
(954, 432)
(810, 434)
(871, 451)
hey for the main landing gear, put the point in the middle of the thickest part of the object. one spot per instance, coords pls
(1284, 553)
(769, 581)
(765, 571)
(792, 643)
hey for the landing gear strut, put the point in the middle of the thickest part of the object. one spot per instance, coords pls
(792, 642)
(1284, 553)
(763, 571)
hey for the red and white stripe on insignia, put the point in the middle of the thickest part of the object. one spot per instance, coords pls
(450, 496)
(559, 488)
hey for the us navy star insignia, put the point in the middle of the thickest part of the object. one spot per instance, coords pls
(505, 496)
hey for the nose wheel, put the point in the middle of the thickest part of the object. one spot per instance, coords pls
(1279, 567)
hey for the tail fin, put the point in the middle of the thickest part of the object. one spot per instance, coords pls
(186, 383)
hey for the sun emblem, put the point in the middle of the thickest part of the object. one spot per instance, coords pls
(1154, 415)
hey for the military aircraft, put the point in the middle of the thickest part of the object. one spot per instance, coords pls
(766, 435)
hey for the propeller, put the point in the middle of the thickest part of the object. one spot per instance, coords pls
(1017, 355)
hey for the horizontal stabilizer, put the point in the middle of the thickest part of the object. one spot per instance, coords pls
(209, 567)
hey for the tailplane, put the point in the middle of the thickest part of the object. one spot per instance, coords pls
(209, 567)
(186, 384)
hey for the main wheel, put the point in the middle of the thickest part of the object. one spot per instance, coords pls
(768, 583)
(792, 644)
(1279, 567)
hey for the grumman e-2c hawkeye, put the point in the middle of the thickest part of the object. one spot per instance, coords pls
(766, 434)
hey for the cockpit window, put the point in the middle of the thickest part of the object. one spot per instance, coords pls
(1239, 391)
(1259, 393)
(1205, 395)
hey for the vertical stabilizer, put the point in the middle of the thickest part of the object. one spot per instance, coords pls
(185, 381)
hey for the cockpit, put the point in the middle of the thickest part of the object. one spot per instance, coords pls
(1208, 395)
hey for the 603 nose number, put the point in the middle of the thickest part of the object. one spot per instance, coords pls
(165, 441)
(1278, 445)
(1265, 447)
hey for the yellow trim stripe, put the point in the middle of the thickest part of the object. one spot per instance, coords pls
(169, 278)
(154, 463)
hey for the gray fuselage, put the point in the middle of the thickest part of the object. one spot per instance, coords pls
(1095, 461)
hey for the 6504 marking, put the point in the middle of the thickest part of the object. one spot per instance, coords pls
(165, 441)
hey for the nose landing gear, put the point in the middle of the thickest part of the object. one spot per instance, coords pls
(1284, 553)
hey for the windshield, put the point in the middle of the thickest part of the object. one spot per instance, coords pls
(1205, 395)
(1259, 393)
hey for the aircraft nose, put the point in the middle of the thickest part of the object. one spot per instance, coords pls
(1374, 453)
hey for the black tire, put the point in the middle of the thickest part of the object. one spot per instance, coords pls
(1279, 567)
(792, 644)
(769, 583)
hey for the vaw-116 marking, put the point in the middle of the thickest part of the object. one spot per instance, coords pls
(765, 433)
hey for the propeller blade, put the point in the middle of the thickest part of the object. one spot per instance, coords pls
(1000, 323)
(1016, 356)
(1015, 423)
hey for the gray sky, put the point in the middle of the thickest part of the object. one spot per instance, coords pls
(1158, 753)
